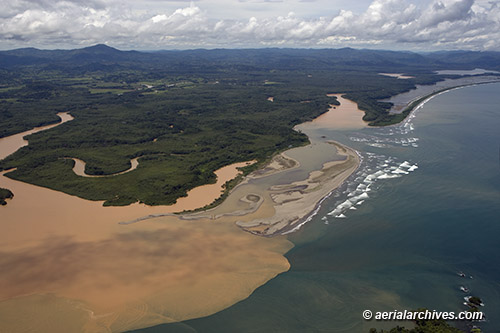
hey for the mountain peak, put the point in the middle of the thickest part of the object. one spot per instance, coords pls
(100, 48)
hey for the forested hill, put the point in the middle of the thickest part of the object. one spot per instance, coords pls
(101, 57)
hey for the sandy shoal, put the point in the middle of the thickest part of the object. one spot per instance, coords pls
(293, 202)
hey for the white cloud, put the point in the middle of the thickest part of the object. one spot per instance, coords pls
(402, 24)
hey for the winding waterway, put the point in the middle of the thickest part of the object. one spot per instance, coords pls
(13, 143)
(79, 168)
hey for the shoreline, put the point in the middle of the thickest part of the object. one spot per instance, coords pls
(295, 203)
(421, 101)
(414, 103)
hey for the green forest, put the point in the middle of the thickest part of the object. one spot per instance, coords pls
(184, 114)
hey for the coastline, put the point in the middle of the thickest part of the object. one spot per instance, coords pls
(408, 105)
(417, 103)
(295, 202)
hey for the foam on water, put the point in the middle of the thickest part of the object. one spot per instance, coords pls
(375, 167)
(355, 191)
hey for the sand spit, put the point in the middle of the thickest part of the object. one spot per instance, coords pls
(402, 101)
(79, 168)
(295, 201)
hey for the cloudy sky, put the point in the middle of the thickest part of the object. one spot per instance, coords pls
(424, 25)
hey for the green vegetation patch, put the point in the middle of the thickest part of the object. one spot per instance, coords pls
(180, 136)
(5, 194)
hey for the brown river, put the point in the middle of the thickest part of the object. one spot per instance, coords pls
(68, 265)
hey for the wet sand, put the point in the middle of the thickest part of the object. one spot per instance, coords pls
(79, 168)
(293, 202)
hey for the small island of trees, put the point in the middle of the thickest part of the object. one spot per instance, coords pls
(5, 194)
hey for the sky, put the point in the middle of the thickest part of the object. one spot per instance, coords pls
(425, 25)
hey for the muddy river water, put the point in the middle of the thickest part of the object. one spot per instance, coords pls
(69, 265)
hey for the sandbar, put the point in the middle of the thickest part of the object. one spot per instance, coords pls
(293, 202)
(398, 75)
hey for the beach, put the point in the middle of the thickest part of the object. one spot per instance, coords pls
(295, 201)
(403, 100)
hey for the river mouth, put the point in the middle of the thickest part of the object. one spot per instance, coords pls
(63, 254)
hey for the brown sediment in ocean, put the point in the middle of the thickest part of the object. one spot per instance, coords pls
(134, 276)
(60, 254)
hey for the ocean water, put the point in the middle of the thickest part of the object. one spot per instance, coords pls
(423, 206)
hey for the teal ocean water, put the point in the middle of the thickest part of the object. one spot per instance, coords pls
(424, 205)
